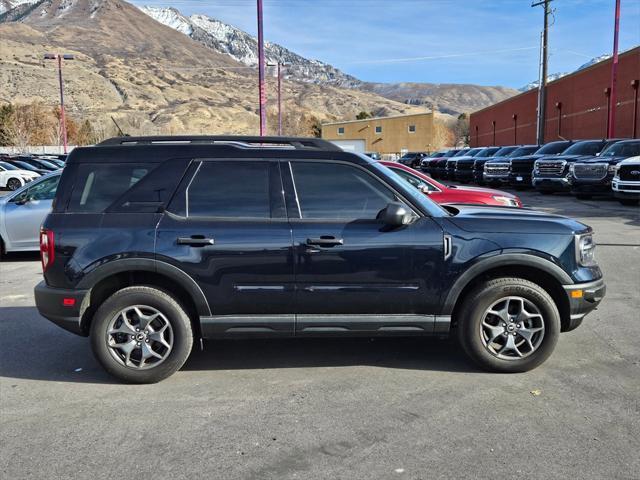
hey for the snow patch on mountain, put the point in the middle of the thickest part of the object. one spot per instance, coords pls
(243, 47)
(6, 5)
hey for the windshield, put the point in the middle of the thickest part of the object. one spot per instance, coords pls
(553, 148)
(7, 166)
(46, 164)
(25, 165)
(487, 152)
(504, 151)
(521, 151)
(450, 153)
(584, 148)
(622, 149)
(463, 152)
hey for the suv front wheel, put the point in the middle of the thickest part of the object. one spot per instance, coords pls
(508, 325)
(141, 335)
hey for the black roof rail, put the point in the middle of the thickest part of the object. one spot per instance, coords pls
(298, 143)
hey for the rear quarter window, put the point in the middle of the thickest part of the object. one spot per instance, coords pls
(98, 185)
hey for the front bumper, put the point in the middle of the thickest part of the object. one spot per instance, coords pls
(625, 189)
(555, 184)
(495, 178)
(583, 299)
(52, 306)
(520, 179)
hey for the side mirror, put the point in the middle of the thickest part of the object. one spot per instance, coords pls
(425, 189)
(395, 215)
(21, 200)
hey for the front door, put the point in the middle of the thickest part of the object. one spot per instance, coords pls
(227, 229)
(353, 273)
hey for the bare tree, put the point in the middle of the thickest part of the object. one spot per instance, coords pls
(461, 130)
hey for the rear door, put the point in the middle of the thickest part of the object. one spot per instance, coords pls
(25, 212)
(353, 273)
(227, 228)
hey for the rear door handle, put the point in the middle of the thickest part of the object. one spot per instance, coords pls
(325, 241)
(195, 241)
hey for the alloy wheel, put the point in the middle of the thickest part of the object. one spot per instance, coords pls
(13, 184)
(512, 328)
(140, 337)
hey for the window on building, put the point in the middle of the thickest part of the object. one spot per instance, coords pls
(412, 129)
(378, 129)
(340, 130)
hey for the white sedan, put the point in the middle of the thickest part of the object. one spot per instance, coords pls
(12, 177)
(23, 211)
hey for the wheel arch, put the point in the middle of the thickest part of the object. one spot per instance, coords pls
(535, 269)
(113, 276)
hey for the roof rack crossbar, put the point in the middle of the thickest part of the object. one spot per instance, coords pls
(299, 143)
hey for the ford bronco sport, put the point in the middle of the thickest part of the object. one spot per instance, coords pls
(155, 243)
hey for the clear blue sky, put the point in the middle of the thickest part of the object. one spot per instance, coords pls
(487, 42)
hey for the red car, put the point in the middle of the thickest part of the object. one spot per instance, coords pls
(441, 193)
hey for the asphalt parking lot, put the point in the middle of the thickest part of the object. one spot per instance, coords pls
(330, 408)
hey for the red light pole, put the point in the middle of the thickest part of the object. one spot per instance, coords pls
(63, 122)
(614, 75)
(261, 86)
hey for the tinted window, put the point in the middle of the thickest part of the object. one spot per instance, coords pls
(98, 185)
(504, 151)
(329, 190)
(519, 152)
(584, 148)
(7, 166)
(487, 152)
(230, 190)
(622, 149)
(553, 148)
(24, 166)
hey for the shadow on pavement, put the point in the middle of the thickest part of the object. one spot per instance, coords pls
(32, 348)
(21, 257)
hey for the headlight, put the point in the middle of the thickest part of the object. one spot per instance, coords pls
(571, 168)
(508, 201)
(585, 250)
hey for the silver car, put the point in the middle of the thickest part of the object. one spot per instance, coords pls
(22, 213)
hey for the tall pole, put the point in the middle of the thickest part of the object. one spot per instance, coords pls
(279, 99)
(63, 122)
(614, 75)
(542, 92)
(261, 85)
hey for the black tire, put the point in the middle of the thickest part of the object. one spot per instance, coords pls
(13, 184)
(471, 315)
(629, 202)
(182, 334)
(583, 196)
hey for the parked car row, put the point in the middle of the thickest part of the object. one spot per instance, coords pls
(585, 168)
(18, 170)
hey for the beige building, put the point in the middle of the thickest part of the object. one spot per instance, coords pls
(385, 135)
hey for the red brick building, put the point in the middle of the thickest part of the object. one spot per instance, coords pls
(577, 108)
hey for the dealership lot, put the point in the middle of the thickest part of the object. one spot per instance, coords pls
(333, 408)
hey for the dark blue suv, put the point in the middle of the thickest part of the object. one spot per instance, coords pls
(156, 242)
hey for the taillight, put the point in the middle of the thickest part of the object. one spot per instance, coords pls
(46, 248)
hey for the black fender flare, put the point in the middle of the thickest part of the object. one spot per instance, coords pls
(149, 265)
(502, 260)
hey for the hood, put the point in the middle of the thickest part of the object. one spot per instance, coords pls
(25, 173)
(609, 160)
(500, 160)
(488, 219)
(567, 158)
(532, 157)
(488, 191)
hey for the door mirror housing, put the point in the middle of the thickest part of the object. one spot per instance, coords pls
(22, 199)
(425, 189)
(395, 215)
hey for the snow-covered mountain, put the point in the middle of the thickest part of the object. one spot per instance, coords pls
(6, 5)
(242, 47)
(556, 76)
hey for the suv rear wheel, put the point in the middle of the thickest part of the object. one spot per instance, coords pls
(508, 325)
(141, 335)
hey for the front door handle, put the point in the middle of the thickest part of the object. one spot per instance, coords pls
(195, 241)
(325, 241)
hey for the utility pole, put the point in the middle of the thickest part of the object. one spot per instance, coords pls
(542, 90)
(279, 65)
(63, 122)
(261, 85)
(611, 133)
